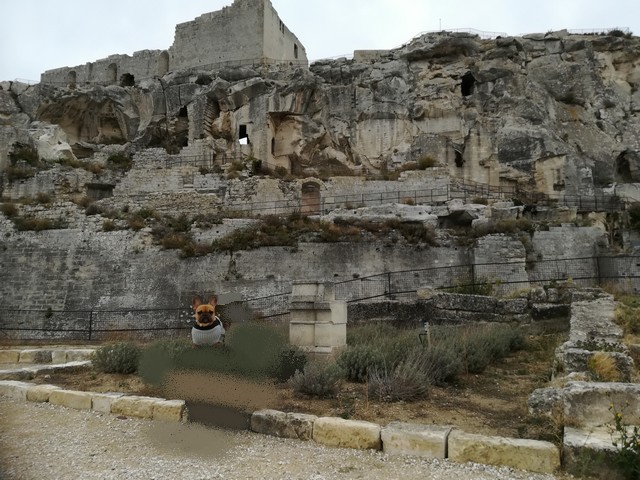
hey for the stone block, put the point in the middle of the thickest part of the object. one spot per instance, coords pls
(591, 447)
(40, 393)
(285, 425)
(9, 356)
(71, 399)
(35, 356)
(134, 406)
(301, 335)
(531, 455)
(79, 355)
(427, 441)
(337, 432)
(19, 374)
(14, 389)
(169, 410)
(101, 402)
(587, 404)
(59, 356)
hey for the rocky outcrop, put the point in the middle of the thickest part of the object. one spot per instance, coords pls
(557, 112)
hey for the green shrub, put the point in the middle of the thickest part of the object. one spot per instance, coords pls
(9, 210)
(407, 381)
(358, 361)
(116, 358)
(318, 379)
(427, 161)
(441, 363)
(119, 161)
(36, 224)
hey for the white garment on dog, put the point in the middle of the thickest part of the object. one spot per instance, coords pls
(208, 337)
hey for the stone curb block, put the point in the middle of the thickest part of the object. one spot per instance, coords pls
(9, 356)
(284, 425)
(426, 441)
(35, 356)
(71, 399)
(15, 390)
(337, 432)
(79, 355)
(169, 410)
(530, 455)
(20, 374)
(134, 406)
(101, 402)
(40, 393)
(59, 356)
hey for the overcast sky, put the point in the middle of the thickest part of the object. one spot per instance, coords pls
(39, 35)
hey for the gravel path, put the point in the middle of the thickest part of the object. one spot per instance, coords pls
(43, 441)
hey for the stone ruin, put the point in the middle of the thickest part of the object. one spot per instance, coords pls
(586, 407)
(248, 32)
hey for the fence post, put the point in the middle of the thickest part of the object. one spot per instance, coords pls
(90, 323)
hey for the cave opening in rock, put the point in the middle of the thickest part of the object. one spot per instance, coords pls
(127, 80)
(623, 169)
(468, 84)
(459, 160)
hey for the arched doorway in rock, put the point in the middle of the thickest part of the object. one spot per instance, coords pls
(310, 202)
(163, 63)
(71, 79)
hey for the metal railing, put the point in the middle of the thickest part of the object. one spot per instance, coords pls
(149, 324)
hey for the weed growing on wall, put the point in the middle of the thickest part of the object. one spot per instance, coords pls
(626, 439)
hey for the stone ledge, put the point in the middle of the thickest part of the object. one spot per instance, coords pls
(9, 356)
(14, 389)
(426, 441)
(284, 425)
(531, 455)
(40, 393)
(71, 399)
(45, 355)
(101, 402)
(337, 432)
(134, 406)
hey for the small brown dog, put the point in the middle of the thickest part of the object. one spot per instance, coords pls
(208, 329)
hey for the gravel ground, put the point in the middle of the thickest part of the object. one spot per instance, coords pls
(44, 441)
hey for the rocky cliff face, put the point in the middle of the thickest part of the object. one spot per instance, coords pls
(559, 113)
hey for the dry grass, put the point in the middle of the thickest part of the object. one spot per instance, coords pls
(603, 368)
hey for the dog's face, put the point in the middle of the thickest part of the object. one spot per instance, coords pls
(204, 312)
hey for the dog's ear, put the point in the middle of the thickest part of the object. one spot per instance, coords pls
(196, 302)
(213, 300)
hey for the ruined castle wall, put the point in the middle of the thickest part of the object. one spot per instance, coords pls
(108, 71)
(279, 42)
(234, 33)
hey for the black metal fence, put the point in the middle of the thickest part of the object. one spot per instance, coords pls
(622, 272)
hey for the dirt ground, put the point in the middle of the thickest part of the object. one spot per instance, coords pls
(493, 403)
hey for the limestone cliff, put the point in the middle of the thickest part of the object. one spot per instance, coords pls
(559, 113)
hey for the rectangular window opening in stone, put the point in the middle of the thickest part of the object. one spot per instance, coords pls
(243, 135)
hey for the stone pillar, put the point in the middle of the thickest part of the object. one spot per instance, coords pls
(318, 322)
